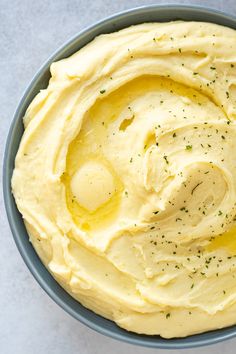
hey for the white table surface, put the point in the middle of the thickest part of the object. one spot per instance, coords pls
(30, 322)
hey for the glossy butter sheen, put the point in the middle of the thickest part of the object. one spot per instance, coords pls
(152, 109)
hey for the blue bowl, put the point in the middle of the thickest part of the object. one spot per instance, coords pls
(40, 81)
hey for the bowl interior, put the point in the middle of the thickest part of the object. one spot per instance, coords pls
(40, 81)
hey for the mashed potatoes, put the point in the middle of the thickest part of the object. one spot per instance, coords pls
(126, 177)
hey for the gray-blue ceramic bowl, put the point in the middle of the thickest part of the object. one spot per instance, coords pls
(40, 81)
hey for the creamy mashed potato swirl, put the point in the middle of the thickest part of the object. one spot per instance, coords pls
(126, 177)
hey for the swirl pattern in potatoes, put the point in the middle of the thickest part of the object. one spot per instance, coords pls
(126, 177)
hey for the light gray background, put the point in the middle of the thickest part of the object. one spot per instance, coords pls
(30, 322)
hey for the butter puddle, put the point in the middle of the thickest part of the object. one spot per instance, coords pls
(82, 150)
(226, 240)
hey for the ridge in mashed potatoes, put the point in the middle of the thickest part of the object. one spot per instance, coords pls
(126, 177)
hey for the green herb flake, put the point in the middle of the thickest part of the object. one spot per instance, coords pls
(193, 190)
(166, 160)
(188, 147)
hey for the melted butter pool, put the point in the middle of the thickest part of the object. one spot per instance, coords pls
(84, 150)
(226, 240)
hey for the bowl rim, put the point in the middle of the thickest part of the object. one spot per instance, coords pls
(175, 343)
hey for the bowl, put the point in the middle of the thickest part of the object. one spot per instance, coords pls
(48, 283)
